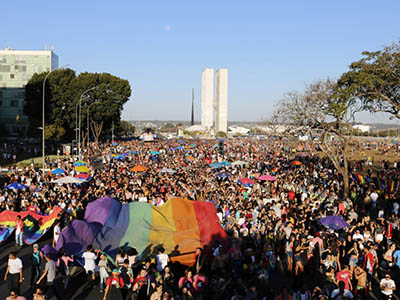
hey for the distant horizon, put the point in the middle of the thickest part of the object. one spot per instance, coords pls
(161, 47)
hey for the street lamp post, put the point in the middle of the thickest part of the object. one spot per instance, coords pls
(43, 111)
(88, 114)
(80, 110)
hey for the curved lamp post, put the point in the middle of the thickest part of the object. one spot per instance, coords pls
(43, 111)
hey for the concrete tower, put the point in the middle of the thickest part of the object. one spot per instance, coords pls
(221, 115)
(207, 98)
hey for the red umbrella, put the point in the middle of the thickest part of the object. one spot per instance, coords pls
(246, 180)
(266, 178)
(296, 163)
(82, 176)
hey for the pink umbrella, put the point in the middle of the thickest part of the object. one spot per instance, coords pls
(266, 178)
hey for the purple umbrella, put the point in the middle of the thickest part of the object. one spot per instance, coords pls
(334, 222)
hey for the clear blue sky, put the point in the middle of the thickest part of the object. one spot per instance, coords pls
(161, 47)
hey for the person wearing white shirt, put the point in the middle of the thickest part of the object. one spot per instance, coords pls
(13, 274)
(57, 231)
(387, 286)
(162, 259)
(90, 264)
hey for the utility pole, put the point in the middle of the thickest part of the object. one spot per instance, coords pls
(112, 132)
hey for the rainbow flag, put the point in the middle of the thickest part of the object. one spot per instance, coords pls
(179, 226)
(393, 186)
(363, 179)
(35, 225)
(274, 170)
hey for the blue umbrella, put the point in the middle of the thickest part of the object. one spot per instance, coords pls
(334, 222)
(225, 163)
(57, 171)
(114, 144)
(132, 152)
(215, 165)
(16, 186)
(155, 153)
(223, 175)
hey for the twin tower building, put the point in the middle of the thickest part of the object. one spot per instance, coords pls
(221, 99)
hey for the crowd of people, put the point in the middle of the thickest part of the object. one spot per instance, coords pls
(278, 247)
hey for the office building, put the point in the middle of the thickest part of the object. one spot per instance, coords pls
(207, 98)
(221, 105)
(16, 69)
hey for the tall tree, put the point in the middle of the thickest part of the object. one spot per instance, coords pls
(64, 90)
(106, 101)
(375, 80)
(58, 98)
(319, 111)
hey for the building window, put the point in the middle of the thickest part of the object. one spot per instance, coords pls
(20, 59)
(4, 68)
(14, 103)
(12, 76)
(20, 68)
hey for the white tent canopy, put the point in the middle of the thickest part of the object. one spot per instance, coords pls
(67, 180)
(166, 170)
(239, 163)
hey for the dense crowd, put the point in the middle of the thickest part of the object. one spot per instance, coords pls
(278, 247)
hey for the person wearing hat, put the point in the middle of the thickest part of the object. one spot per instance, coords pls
(37, 257)
(114, 284)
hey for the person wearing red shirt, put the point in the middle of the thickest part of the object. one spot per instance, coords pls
(369, 260)
(345, 276)
(114, 284)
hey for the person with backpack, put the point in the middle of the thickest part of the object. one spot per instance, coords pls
(63, 266)
(37, 257)
(113, 286)
(126, 274)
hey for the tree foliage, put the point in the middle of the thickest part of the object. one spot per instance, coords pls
(318, 111)
(375, 80)
(64, 90)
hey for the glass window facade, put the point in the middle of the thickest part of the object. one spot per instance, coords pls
(16, 69)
